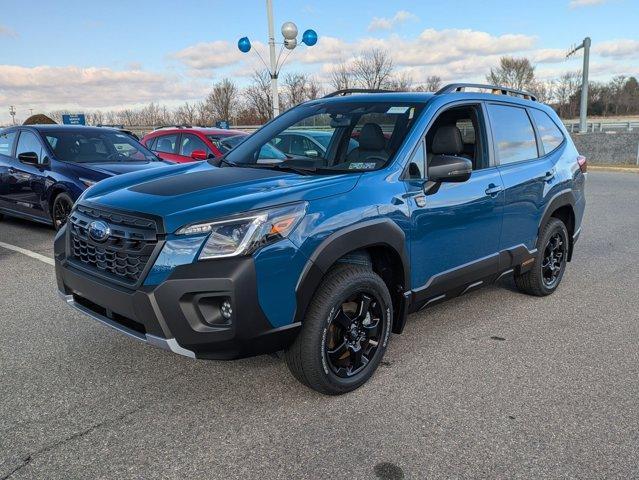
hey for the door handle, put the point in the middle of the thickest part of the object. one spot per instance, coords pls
(549, 175)
(493, 190)
(11, 170)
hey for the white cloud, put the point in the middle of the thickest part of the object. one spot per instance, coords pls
(209, 55)
(622, 48)
(48, 88)
(7, 32)
(585, 3)
(385, 23)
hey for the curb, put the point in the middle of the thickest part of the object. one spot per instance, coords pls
(606, 168)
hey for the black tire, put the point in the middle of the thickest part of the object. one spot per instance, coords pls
(310, 358)
(546, 273)
(60, 210)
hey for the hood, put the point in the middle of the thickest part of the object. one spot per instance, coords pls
(117, 168)
(189, 193)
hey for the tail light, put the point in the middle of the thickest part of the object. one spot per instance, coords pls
(583, 163)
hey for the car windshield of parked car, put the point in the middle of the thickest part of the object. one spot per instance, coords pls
(358, 136)
(268, 151)
(96, 147)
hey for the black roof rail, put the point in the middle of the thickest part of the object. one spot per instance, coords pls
(350, 91)
(495, 89)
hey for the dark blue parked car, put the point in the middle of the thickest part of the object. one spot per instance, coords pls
(45, 168)
(324, 256)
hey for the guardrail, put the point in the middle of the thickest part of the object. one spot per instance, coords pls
(602, 126)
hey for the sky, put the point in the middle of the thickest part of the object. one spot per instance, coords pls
(88, 55)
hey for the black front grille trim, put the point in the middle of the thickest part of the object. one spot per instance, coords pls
(124, 257)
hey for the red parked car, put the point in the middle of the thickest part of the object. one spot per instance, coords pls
(187, 144)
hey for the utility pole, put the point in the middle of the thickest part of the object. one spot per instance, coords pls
(271, 47)
(12, 112)
(583, 108)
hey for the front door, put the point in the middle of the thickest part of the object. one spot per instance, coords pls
(455, 226)
(27, 181)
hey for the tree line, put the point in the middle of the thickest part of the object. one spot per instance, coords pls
(372, 69)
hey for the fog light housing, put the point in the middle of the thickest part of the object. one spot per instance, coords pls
(226, 309)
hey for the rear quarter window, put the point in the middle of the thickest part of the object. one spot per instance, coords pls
(551, 135)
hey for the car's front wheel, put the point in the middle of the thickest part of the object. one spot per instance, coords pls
(550, 261)
(61, 209)
(345, 332)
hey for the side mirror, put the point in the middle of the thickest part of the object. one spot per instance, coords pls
(448, 168)
(199, 155)
(311, 153)
(28, 158)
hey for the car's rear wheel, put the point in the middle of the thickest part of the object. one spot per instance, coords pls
(345, 332)
(61, 209)
(550, 261)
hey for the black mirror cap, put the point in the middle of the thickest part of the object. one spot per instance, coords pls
(449, 168)
(29, 158)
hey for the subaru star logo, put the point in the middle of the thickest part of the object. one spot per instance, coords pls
(99, 231)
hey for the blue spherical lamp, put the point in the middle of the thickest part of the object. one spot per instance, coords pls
(244, 44)
(309, 37)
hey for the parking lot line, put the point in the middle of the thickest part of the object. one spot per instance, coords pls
(28, 253)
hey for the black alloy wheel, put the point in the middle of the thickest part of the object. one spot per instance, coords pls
(354, 334)
(554, 259)
(61, 210)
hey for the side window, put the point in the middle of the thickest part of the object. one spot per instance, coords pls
(150, 143)
(551, 136)
(6, 143)
(513, 134)
(417, 164)
(28, 142)
(166, 143)
(190, 143)
(459, 131)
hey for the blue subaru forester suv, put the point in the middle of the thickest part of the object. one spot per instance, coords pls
(324, 256)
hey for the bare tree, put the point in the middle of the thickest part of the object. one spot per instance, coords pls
(187, 114)
(313, 88)
(433, 83)
(512, 72)
(295, 88)
(402, 82)
(258, 96)
(342, 77)
(373, 69)
(565, 89)
(222, 101)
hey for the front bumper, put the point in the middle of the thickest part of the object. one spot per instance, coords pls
(176, 314)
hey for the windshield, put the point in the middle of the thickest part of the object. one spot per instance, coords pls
(97, 147)
(354, 136)
(267, 152)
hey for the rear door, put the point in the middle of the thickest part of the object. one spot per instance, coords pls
(527, 175)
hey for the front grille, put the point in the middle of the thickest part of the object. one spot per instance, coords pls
(124, 254)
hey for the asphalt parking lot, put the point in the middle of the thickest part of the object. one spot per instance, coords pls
(494, 384)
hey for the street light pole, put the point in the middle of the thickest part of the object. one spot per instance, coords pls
(271, 46)
(583, 106)
(12, 112)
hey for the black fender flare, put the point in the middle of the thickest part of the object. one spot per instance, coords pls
(560, 199)
(370, 233)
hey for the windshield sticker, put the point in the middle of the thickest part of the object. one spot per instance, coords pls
(397, 110)
(362, 166)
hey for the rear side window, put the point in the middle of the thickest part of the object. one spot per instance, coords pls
(150, 143)
(6, 143)
(513, 134)
(166, 143)
(551, 136)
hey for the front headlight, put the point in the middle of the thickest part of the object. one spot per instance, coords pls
(242, 235)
